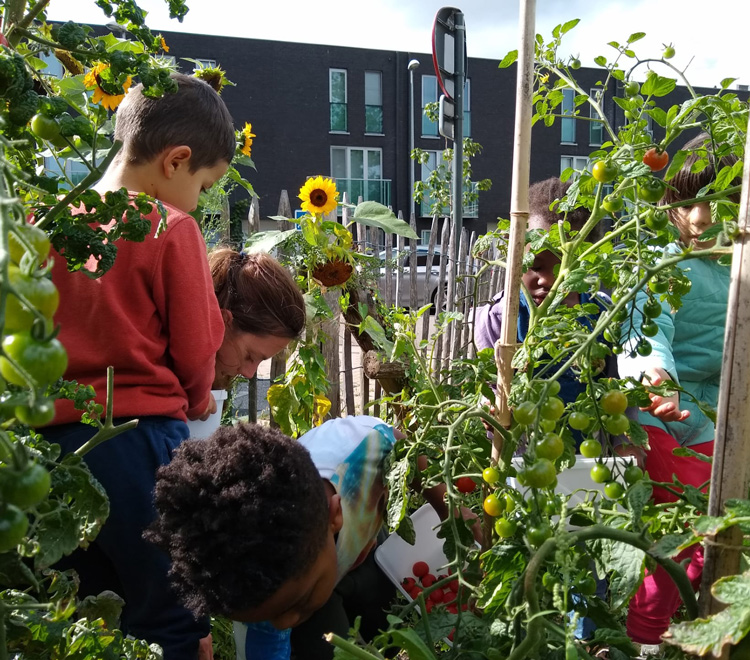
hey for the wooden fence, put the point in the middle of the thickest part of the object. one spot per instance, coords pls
(450, 279)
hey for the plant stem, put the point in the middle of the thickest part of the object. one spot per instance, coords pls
(108, 429)
(352, 649)
(89, 180)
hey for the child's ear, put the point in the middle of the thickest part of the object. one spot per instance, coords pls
(226, 316)
(175, 158)
(335, 513)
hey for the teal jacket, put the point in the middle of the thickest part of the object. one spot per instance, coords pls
(688, 346)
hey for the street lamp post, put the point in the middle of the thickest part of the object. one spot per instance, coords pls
(413, 64)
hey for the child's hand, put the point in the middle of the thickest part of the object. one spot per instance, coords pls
(665, 408)
(210, 408)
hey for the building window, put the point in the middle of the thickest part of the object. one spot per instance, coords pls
(577, 163)
(54, 66)
(74, 170)
(568, 123)
(429, 95)
(596, 128)
(359, 173)
(373, 102)
(337, 93)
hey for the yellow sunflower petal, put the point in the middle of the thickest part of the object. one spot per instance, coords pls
(318, 195)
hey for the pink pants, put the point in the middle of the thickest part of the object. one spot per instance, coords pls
(654, 604)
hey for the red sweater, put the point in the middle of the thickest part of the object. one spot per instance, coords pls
(153, 317)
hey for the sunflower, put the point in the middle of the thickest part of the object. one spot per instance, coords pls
(94, 79)
(247, 136)
(318, 195)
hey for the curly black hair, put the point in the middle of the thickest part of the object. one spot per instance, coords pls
(239, 514)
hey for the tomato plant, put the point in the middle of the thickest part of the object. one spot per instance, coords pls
(505, 528)
(44, 361)
(550, 446)
(13, 526)
(541, 473)
(651, 189)
(525, 413)
(552, 409)
(591, 448)
(613, 402)
(493, 506)
(39, 291)
(45, 127)
(24, 488)
(491, 475)
(600, 473)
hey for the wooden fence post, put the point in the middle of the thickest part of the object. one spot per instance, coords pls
(278, 362)
(730, 475)
(428, 276)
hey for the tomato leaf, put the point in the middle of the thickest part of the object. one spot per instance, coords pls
(510, 58)
(626, 565)
(636, 36)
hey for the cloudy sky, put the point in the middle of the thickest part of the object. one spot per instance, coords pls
(707, 36)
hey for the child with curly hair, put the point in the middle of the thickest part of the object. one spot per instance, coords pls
(278, 534)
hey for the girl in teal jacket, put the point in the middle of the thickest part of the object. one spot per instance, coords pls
(687, 350)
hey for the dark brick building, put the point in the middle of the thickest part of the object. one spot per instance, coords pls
(344, 112)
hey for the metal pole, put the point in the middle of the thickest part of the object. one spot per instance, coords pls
(458, 128)
(413, 64)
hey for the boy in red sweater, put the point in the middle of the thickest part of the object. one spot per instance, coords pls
(155, 318)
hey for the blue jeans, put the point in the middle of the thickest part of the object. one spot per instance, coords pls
(119, 559)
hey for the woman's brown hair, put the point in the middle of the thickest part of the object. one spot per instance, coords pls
(260, 293)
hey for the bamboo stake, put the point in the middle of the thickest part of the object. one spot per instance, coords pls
(519, 214)
(730, 474)
(428, 276)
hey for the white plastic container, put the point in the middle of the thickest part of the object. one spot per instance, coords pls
(396, 557)
(200, 430)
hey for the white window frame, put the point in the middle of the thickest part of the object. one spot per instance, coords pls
(577, 163)
(379, 75)
(596, 122)
(568, 94)
(345, 102)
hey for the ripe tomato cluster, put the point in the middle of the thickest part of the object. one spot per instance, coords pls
(422, 579)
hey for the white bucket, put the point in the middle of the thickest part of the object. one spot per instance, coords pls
(200, 430)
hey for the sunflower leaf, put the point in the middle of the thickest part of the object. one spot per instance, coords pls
(373, 214)
(267, 240)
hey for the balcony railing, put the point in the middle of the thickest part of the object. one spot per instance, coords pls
(370, 190)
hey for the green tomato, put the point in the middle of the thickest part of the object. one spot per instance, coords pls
(616, 424)
(613, 203)
(492, 505)
(644, 347)
(538, 534)
(613, 402)
(553, 388)
(552, 409)
(547, 425)
(604, 171)
(614, 490)
(649, 328)
(651, 189)
(652, 308)
(575, 63)
(621, 315)
(26, 488)
(658, 285)
(13, 526)
(541, 474)
(510, 503)
(586, 585)
(39, 291)
(600, 473)
(45, 127)
(505, 528)
(656, 219)
(632, 474)
(591, 448)
(40, 414)
(550, 447)
(44, 361)
(491, 475)
(668, 53)
(36, 237)
(579, 421)
(525, 413)
(631, 88)
(549, 580)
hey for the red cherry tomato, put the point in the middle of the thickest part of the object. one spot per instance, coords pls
(656, 159)
(428, 580)
(437, 596)
(420, 569)
(465, 484)
(408, 583)
(414, 593)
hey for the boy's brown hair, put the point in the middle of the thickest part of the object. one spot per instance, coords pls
(194, 115)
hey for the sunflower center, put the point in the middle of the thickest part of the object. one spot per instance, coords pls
(319, 197)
